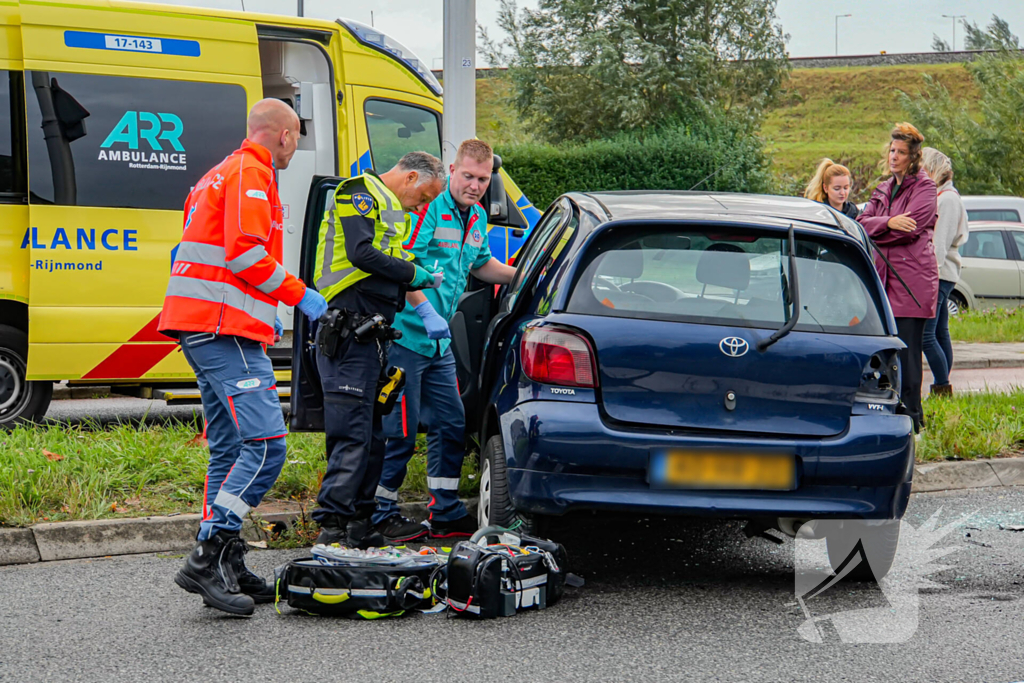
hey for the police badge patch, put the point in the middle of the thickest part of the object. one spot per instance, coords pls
(363, 203)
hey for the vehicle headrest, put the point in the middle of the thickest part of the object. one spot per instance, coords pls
(720, 266)
(623, 263)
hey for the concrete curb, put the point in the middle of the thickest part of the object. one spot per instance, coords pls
(968, 474)
(107, 537)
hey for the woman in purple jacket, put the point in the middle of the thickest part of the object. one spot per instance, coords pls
(900, 218)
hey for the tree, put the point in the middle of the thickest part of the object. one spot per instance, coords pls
(587, 69)
(995, 37)
(986, 145)
(939, 45)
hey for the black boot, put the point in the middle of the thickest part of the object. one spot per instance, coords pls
(333, 529)
(248, 581)
(361, 534)
(208, 571)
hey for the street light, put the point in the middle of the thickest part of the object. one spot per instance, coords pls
(954, 17)
(838, 17)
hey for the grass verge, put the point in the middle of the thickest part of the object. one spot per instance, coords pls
(58, 473)
(993, 325)
(973, 426)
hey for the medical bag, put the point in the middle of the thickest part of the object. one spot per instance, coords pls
(497, 572)
(338, 581)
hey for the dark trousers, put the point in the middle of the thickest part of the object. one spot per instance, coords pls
(911, 331)
(938, 348)
(354, 455)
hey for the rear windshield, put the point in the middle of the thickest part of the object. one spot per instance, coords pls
(998, 215)
(727, 276)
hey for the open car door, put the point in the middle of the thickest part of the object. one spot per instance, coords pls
(479, 303)
(307, 403)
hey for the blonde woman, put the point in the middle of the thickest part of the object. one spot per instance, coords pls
(950, 233)
(831, 185)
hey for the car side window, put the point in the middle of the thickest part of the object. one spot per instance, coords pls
(1018, 238)
(984, 244)
(535, 246)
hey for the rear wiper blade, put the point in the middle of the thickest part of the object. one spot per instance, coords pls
(794, 288)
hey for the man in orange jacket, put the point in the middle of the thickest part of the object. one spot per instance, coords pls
(226, 282)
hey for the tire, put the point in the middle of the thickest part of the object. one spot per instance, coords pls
(879, 543)
(955, 303)
(21, 401)
(495, 504)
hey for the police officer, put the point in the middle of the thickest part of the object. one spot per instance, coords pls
(363, 272)
(226, 282)
(450, 237)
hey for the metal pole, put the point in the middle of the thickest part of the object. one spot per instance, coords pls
(459, 120)
(954, 17)
(838, 17)
(302, 8)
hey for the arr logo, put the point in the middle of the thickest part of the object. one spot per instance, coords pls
(128, 131)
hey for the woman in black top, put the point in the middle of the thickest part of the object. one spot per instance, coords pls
(831, 185)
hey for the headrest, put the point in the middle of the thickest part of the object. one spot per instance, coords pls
(623, 263)
(724, 265)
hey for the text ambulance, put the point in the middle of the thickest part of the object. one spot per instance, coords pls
(110, 111)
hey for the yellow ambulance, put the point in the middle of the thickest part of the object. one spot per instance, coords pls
(110, 111)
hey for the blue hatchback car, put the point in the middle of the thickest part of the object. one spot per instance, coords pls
(677, 353)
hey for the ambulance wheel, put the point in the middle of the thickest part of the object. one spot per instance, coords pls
(21, 401)
(496, 507)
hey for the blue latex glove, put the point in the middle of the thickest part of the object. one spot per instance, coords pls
(278, 327)
(424, 279)
(312, 304)
(437, 327)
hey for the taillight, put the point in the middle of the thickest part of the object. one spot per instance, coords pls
(880, 380)
(558, 356)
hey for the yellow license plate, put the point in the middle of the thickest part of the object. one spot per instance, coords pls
(723, 470)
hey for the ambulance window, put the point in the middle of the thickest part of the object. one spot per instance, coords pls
(121, 142)
(395, 129)
(12, 138)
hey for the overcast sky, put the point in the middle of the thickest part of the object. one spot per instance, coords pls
(890, 25)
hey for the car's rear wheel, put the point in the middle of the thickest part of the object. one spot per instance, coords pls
(955, 303)
(495, 506)
(21, 401)
(879, 542)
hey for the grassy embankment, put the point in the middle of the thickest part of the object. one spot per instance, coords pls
(844, 113)
(995, 325)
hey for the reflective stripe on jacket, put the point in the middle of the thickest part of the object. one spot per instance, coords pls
(378, 205)
(227, 276)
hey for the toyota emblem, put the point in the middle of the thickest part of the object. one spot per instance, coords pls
(734, 347)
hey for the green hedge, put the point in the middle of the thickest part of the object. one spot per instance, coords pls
(674, 159)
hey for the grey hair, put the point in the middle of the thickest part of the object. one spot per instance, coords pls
(426, 165)
(937, 165)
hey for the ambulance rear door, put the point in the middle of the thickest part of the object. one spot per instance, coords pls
(127, 107)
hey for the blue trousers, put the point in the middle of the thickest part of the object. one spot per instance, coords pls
(938, 348)
(431, 397)
(244, 426)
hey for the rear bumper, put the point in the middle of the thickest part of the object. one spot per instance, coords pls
(562, 457)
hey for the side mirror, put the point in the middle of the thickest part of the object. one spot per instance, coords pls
(497, 199)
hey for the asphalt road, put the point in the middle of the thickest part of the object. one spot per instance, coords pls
(664, 601)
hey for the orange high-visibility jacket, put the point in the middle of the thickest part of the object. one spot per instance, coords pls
(227, 276)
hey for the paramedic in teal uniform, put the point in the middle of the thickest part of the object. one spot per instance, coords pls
(449, 237)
